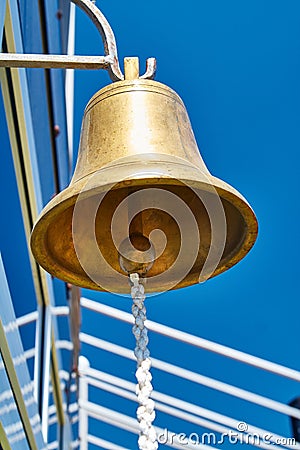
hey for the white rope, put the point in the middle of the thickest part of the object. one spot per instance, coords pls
(127, 423)
(145, 412)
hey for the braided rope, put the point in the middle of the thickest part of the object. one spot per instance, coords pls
(145, 411)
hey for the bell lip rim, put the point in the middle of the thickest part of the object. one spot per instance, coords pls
(41, 253)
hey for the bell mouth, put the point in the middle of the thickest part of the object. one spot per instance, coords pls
(199, 226)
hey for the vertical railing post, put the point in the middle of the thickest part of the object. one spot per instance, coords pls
(42, 365)
(83, 398)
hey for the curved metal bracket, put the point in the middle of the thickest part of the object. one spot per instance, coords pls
(109, 41)
(107, 35)
(108, 62)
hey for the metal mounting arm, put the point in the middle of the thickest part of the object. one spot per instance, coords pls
(107, 35)
(108, 62)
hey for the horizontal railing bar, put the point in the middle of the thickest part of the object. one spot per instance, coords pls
(10, 369)
(64, 375)
(63, 344)
(62, 387)
(41, 61)
(102, 443)
(271, 404)
(53, 445)
(32, 316)
(29, 353)
(52, 421)
(60, 344)
(129, 424)
(60, 310)
(195, 340)
(75, 419)
(197, 378)
(27, 318)
(197, 414)
(73, 407)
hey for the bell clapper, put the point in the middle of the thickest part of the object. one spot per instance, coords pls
(145, 411)
(136, 254)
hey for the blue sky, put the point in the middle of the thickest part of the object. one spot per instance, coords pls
(236, 66)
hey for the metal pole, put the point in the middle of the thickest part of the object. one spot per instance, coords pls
(83, 399)
(33, 61)
(108, 62)
(42, 365)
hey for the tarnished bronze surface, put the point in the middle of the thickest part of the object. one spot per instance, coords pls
(137, 141)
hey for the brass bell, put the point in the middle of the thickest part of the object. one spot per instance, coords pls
(141, 199)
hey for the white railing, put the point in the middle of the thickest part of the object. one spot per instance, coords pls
(178, 408)
(167, 404)
(52, 412)
(194, 340)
